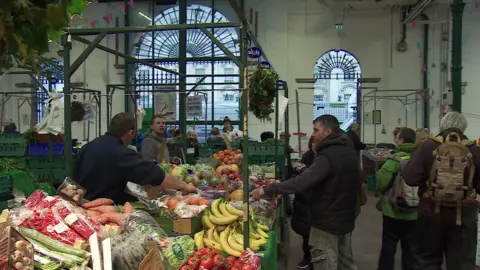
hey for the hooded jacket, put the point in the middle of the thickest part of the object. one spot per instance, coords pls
(151, 146)
(332, 185)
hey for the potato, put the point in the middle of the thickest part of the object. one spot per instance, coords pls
(21, 245)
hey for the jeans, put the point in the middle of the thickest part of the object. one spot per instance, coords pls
(331, 252)
(440, 235)
(395, 230)
(306, 249)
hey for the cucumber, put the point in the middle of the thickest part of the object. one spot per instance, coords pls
(53, 244)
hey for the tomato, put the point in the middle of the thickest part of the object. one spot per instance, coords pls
(206, 262)
(186, 267)
(193, 262)
(256, 261)
(208, 251)
(236, 268)
(247, 267)
(228, 265)
(238, 264)
(197, 255)
(172, 204)
(218, 260)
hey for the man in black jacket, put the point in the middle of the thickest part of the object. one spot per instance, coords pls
(332, 185)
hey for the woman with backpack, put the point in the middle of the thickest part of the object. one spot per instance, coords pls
(398, 225)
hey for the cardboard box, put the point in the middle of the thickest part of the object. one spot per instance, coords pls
(181, 225)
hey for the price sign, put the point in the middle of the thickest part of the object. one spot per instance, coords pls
(194, 106)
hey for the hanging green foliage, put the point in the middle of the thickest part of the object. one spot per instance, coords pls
(26, 26)
(262, 88)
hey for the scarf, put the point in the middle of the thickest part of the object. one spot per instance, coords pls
(153, 135)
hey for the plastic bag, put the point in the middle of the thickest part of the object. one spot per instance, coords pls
(249, 257)
(178, 252)
(71, 191)
(79, 222)
(128, 250)
(136, 190)
(142, 222)
(39, 200)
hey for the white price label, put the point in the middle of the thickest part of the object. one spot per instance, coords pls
(70, 219)
(60, 228)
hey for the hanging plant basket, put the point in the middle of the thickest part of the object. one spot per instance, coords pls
(262, 88)
(78, 111)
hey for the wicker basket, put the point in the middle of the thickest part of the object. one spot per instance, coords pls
(8, 237)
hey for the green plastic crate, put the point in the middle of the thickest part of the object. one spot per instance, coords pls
(6, 183)
(208, 149)
(51, 176)
(13, 150)
(9, 138)
(46, 162)
(148, 116)
(265, 149)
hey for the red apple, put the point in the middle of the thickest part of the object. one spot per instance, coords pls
(193, 262)
(206, 262)
(247, 267)
(218, 260)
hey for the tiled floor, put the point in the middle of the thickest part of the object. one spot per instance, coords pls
(365, 240)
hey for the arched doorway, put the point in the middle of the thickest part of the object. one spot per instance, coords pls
(222, 92)
(335, 90)
(52, 68)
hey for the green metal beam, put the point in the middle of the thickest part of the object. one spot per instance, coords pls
(189, 59)
(222, 47)
(83, 56)
(148, 28)
(196, 85)
(126, 56)
(126, 48)
(426, 86)
(182, 65)
(457, 8)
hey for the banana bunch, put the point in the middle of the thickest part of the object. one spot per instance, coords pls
(221, 213)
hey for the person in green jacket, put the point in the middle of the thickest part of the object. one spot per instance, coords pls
(397, 226)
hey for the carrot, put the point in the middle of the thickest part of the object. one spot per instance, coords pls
(104, 209)
(100, 219)
(97, 202)
(127, 208)
(92, 213)
(117, 218)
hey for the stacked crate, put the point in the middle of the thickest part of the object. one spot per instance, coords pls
(262, 153)
(47, 162)
(12, 145)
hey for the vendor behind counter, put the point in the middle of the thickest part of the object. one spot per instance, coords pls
(105, 165)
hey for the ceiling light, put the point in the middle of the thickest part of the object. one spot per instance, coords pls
(144, 16)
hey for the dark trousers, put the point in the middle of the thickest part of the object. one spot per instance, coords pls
(306, 249)
(440, 235)
(395, 230)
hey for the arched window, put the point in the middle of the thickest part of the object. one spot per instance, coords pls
(335, 90)
(165, 44)
(53, 68)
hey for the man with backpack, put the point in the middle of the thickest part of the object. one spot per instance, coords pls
(446, 170)
(398, 205)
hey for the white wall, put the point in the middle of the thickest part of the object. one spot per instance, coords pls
(294, 34)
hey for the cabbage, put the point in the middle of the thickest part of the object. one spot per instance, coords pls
(179, 171)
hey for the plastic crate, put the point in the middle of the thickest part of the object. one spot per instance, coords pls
(51, 176)
(208, 149)
(8, 138)
(264, 149)
(43, 162)
(13, 150)
(148, 116)
(43, 149)
(6, 183)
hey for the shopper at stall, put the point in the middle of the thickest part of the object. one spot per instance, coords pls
(398, 226)
(353, 135)
(300, 209)
(267, 135)
(228, 131)
(332, 185)
(214, 136)
(444, 230)
(106, 164)
(192, 140)
(154, 138)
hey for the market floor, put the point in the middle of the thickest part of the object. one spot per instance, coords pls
(365, 240)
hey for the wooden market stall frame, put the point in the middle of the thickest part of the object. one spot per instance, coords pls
(246, 35)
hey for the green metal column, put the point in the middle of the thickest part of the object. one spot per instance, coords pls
(182, 67)
(67, 47)
(126, 50)
(244, 126)
(457, 8)
(426, 96)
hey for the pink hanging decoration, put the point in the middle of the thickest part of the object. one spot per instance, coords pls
(93, 24)
(131, 3)
(122, 8)
(420, 54)
(414, 24)
(438, 102)
(433, 92)
(424, 68)
(85, 26)
(108, 18)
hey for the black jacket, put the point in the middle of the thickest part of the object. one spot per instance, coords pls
(333, 180)
(300, 203)
(357, 144)
(105, 165)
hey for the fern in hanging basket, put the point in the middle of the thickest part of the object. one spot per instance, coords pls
(262, 88)
(78, 111)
